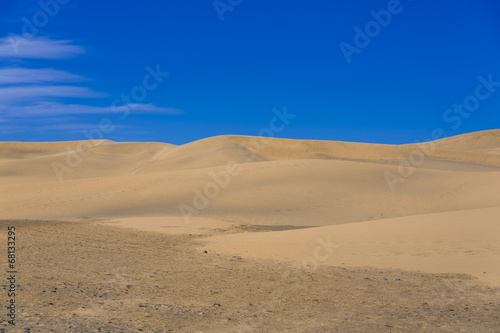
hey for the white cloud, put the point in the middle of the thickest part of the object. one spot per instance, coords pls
(59, 125)
(35, 99)
(51, 109)
(151, 109)
(72, 127)
(25, 93)
(16, 75)
(38, 48)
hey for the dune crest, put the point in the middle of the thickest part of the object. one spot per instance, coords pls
(329, 185)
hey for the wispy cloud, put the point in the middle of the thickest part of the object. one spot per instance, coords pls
(18, 75)
(73, 127)
(55, 124)
(52, 109)
(38, 48)
(43, 99)
(152, 109)
(14, 94)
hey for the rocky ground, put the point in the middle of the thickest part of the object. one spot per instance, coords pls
(85, 277)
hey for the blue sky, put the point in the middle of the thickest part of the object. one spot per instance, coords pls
(367, 71)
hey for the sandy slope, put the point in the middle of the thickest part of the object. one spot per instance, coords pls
(278, 182)
(461, 241)
(87, 278)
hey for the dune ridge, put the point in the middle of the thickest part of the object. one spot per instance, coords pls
(280, 182)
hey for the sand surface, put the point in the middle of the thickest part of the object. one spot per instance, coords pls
(86, 277)
(318, 206)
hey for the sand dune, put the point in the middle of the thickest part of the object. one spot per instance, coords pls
(273, 192)
(281, 181)
(477, 141)
(337, 186)
(22, 162)
(460, 241)
(218, 150)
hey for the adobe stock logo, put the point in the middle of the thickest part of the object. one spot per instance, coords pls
(31, 27)
(456, 116)
(122, 106)
(223, 6)
(372, 29)
(222, 178)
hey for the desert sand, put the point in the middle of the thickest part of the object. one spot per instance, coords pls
(306, 236)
